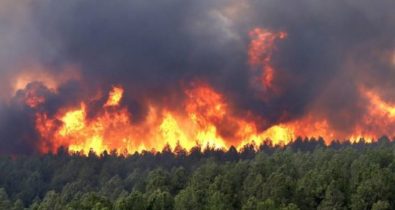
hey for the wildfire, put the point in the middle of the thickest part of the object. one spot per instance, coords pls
(379, 118)
(115, 97)
(207, 120)
(203, 124)
(260, 53)
(73, 121)
(206, 117)
(378, 106)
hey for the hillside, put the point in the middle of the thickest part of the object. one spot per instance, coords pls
(306, 174)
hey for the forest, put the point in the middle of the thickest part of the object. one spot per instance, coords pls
(306, 174)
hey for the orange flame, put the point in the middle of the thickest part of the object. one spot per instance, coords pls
(378, 106)
(379, 118)
(114, 97)
(206, 113)
(207, 120)
(260, 53)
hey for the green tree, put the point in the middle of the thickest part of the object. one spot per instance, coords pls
(250, 204)
(178, 179)
(252, 186)
(381, 205)
(160, 200)
(18, 205)
(218, 200)
(112, 188)
(134, 201)
(280, 187)
(187, 199)
(220, 193)
(91, 201)
(158, 179)
(268, 204)
(334, 198)
(311, 189)
(51, 201)
(72, 190)
(5, 203)
(291, 206)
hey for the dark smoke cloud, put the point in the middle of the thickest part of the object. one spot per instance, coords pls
(154, 48)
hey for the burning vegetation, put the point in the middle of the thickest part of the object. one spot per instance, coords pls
(206, 118)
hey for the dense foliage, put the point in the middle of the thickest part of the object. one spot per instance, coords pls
(303, 175)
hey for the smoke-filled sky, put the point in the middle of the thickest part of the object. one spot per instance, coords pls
(333, 51)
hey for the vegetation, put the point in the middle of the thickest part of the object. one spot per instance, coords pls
(303, 175)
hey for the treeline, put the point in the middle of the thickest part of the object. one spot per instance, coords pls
(306, 174)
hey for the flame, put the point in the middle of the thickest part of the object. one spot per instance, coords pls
(207, 120)
(114, 97)
(73, 121)
(260, 53)
(379, 118)
(205, 112)
(378, 106)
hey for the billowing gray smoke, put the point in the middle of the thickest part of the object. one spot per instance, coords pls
(154, 48)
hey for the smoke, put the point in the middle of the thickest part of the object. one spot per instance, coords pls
(156, 48)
